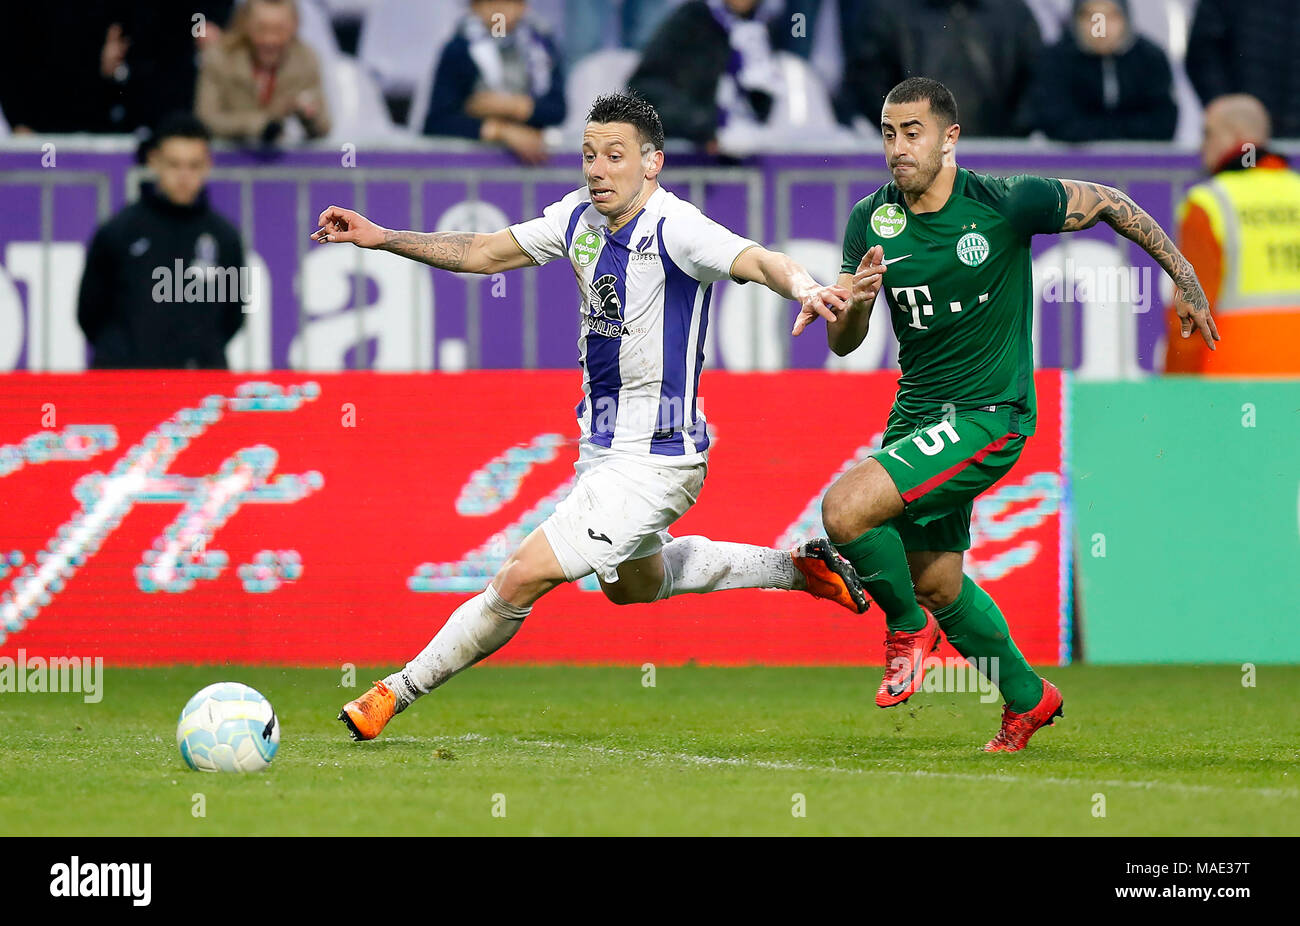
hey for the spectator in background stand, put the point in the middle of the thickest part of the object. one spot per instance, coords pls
(61, 57)
(710, 62)
(584, 24)
(1102, 81)
(1240, 230)
(133, 308)
(499, 79)
(1249, 46)
(793, 34)
(260, 81)
(158, 71)
(984, 48)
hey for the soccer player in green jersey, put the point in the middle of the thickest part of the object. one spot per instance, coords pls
(951, 248)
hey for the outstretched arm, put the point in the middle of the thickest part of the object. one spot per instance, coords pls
(1090, 203)
(787, 277)
(466, 252)
(850, 327)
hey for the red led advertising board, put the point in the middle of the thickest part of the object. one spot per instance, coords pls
(193, 517)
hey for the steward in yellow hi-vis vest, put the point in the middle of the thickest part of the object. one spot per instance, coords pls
(1241, 231)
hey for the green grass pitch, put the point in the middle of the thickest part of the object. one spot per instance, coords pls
(1172, 750)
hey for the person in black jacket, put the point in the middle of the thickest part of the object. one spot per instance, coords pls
(102, 65)
(165, 279)
(1249, 46)
(1103, 81)
(60, 55)
(499, 79)
(984, 48)
(704, 46)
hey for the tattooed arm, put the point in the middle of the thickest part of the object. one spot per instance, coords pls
(467, 252)
(1090, 203)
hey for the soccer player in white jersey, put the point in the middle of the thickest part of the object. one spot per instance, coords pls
(645, 263)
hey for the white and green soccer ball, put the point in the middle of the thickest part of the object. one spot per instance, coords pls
(228, 727)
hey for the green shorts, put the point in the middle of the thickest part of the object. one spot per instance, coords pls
(939, 465)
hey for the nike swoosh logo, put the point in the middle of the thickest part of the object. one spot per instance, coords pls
(595, 536)
(894, 260)
(894, 453)
(899, 689)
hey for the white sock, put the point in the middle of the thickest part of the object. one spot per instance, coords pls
(475, 630)
(698, 564)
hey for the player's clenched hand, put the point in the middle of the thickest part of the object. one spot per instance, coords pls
(869, 275)
(337, 224)
(1194, 312)
(830, 302)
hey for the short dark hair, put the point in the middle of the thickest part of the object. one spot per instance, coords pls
(633, 109)
(916, 89)
(180, 125)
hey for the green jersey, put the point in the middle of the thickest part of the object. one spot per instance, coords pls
(960, 290)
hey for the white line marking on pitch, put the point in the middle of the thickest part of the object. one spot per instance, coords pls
(736, 762)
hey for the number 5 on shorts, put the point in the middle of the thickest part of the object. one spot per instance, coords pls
(936, 435)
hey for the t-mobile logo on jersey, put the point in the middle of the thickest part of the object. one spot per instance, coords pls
(910, 297)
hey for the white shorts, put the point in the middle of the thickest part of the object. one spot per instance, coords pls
(617, 508)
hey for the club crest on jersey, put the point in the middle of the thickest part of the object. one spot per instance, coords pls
(972, 248)
(586, 248)
(604, 311)
(205, 250)
(888, 220)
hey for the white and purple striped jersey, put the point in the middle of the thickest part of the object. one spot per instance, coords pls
(645, 292)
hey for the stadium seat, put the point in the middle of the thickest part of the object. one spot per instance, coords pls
(346, 8)
(401, 40)
(597, 73)
(314, 29)
(1178, 24)
(807, 103)
(802, 117)
(356, 105)
(420, 96)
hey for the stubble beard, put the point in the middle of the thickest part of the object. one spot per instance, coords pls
(923, 175)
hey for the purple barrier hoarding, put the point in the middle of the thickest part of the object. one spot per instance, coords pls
(337, 308)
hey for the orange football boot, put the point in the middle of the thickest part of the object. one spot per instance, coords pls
(1017, 728)
(905, 662)
(367, 716)
(828, 575)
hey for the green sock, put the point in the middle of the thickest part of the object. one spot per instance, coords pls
(976, 629)
(882, 565)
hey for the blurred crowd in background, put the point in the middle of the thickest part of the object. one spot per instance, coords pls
(729, 77)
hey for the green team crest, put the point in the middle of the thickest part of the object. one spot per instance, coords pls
(972, 249)
(888, 220)
(586, 248)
